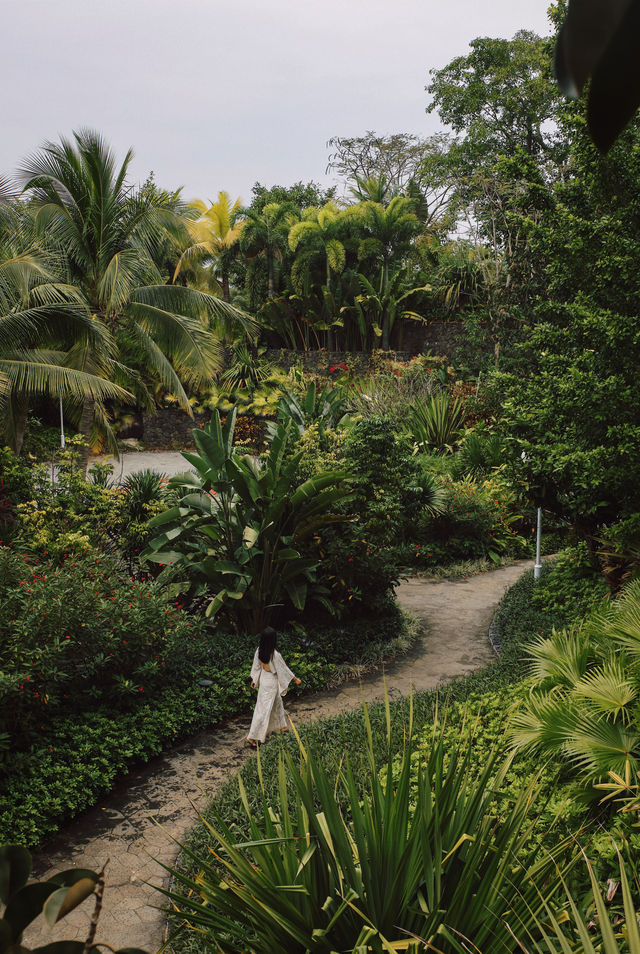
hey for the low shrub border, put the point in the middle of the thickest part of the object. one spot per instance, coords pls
(74, 763)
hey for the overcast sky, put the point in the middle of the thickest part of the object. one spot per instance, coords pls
(216, 94)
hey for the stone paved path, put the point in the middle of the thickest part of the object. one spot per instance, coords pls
(165, 462)
(454, 617)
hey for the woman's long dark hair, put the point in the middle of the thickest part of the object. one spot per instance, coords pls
(268, 643)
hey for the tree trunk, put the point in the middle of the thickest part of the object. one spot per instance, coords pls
(226, 291)
(386, 330)
(18, 411)
(271, 288)
(330, 341)
(86, 425)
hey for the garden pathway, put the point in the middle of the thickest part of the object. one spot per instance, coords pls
(454, 617)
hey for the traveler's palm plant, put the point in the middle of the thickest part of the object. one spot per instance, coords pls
(377, 874)
(585, 704)
(239, 523)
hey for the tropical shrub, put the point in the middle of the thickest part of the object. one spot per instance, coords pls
(326, 408)
(376, 876)
(391, 490)
(619, 551)
(476, 519)
(71, 514)
(239, 524)
(76, 634)
(392, 387)
(480, 453)
(584, 707)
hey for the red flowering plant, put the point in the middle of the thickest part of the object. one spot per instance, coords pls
(76, 633)
(478, 519)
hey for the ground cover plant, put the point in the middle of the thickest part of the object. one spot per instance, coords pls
(83, 643)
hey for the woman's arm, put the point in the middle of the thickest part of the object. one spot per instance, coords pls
(256, 669)
(284, 674)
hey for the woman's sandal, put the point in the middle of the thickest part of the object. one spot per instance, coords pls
(251, 743)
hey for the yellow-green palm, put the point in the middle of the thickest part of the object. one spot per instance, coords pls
(318, 240)
(215, 234)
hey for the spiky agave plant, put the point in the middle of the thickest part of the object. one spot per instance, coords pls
(434, 424)
(410, 862)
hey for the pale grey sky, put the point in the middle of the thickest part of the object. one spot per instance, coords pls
(216, 94)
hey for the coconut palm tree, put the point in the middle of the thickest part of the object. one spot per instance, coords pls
(215, 235)
(44, 323)
(112, 237)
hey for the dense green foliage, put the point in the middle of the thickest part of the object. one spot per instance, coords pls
(415, 854)
(82, 643)
(331, 738)
(584, 705)
(238, 527)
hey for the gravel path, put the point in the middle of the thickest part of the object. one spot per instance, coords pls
(155, 804)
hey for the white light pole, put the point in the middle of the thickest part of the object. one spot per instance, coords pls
(62, 441)
(538, 565)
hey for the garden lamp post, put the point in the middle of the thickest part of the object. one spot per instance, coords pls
(62, 441)
(538, 565)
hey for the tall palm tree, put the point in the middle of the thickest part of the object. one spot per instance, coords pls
(215, 235)
(264, 235)
(319, 237)
(112, 236)
(388, 231)
(43, 324)
(372, 189)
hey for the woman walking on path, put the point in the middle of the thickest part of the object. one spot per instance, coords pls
(271, 676)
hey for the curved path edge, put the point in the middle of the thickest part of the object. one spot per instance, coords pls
(136, 826)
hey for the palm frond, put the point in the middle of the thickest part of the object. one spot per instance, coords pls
(31, 372)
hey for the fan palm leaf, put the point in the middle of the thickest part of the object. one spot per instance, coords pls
(598, 746)
(562, 657)
(609, 689)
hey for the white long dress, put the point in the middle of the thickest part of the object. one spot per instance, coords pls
(268, 715)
